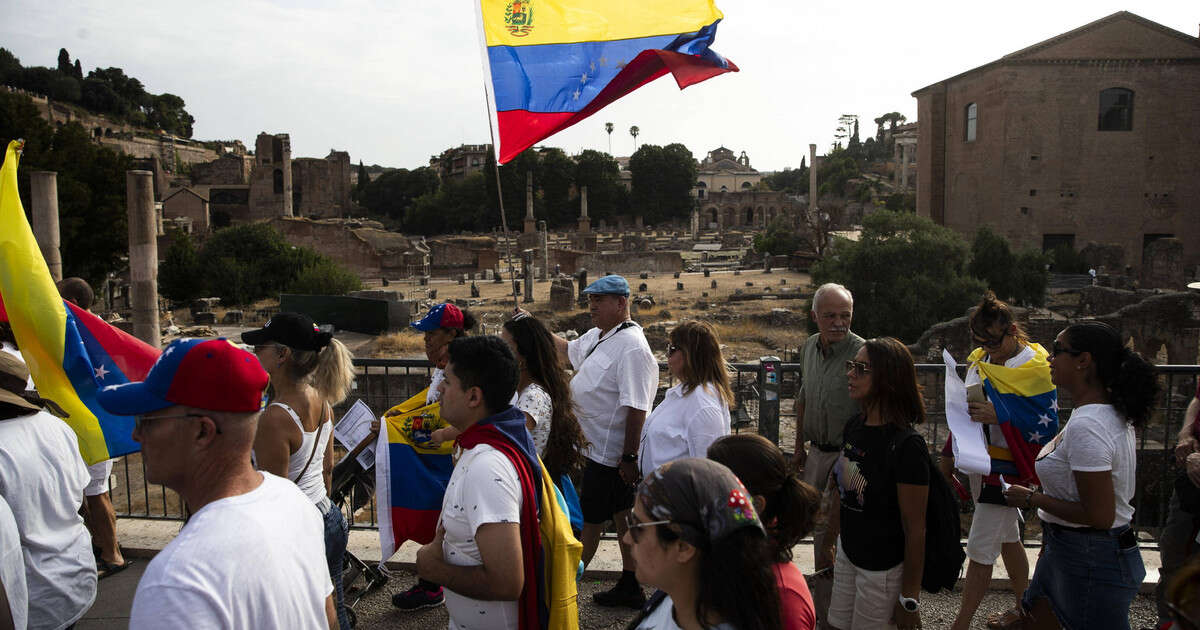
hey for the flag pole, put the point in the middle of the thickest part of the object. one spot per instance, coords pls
(500, 197)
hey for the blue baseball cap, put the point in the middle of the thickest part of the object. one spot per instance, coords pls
(441, 316)
(208, 374)
(609, 285)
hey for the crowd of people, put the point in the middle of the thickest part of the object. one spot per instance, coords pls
(709, 522)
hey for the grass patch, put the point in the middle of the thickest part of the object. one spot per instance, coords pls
(399, 344)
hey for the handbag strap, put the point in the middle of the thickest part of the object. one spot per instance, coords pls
(316, 443)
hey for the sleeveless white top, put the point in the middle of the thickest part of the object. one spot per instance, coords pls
(313, 482)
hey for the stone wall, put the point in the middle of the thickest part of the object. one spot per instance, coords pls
(188, 204)
(626, 262)
(333, 240)
(321, 187)
(227, 169)
(271, 179)
(462, 253)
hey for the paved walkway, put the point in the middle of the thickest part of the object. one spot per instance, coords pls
(143, 538)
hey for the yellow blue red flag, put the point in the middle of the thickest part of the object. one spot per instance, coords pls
(555, 62)
(71, 353)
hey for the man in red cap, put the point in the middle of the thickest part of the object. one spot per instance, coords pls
(252, 555)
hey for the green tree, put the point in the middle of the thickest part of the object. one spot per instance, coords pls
(10, 68)
(364, 180)
(793, 181)
(77, 71)
(180, 276)
(835, 172)
(166, 112)
(780, 239)
(393, 193)
(458, 206)
(662, 182)
(607, 196)
(906, 273)
(245, 263)
(325, 277)
(554, 180)
(1019, 278)
(64, 62)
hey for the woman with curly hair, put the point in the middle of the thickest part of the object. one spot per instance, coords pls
(786, 507)
(1090, 567)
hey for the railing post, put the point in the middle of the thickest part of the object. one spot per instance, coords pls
(768, 397)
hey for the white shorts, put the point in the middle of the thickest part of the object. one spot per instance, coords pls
(991, 526)
(863, 599)
(100, 473)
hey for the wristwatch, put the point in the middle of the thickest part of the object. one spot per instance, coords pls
(910, 604)
(630, 458)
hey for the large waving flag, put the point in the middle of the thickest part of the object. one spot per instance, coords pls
(555, 62)
(71, 353)
(1026, 403)
(411, 473)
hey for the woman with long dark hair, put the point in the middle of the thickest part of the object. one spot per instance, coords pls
(786, 506)
(696, 537)
(310, 373)
(695, 412)
(882, 479)
(1090, 567)
(544, 394)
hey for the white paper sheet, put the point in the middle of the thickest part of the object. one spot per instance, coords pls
(970, 446)
(353, 428)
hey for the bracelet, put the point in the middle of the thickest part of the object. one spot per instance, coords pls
(1029, 498)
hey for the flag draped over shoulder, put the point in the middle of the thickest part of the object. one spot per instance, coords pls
(411, 473)
(70, 352)
(550, 552)
(1026, 404)
(555, 62)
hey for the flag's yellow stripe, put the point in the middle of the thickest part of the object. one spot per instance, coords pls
(569, 22)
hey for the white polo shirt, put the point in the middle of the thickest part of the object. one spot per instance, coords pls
(619, 372)
(682, 426)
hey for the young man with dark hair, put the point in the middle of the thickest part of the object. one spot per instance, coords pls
(485, 553)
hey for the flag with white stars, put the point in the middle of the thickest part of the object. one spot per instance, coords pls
(1026, 404)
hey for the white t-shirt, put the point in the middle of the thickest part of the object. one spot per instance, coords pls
(435, 378)
(12, 567)
(42, 476)
(620, 372)
(995, 435)
(682, 426)
(255, 560)
(483, 489)
(1095, 439)
(663, 618)
(536, 402)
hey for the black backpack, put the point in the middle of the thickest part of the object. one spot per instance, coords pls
(944, 554)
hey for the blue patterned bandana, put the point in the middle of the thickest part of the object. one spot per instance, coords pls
(702, 498)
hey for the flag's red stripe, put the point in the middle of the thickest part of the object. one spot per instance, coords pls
(132, 355)
(416, 525)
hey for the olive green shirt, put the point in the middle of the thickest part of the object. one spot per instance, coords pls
(827, 403)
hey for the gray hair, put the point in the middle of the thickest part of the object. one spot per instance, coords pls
(829, 287)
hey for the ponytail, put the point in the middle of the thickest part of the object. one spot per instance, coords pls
(329, 370)
(1129, 380)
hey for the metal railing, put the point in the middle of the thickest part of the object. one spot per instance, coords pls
(382, 383)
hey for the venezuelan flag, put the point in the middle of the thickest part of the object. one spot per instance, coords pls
(555, 62)
(1026, 404)
(71, 353)
(411, 473)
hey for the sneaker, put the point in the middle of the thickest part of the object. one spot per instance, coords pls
(418, 598)
(628, 595)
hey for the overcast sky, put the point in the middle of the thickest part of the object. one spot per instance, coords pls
(396, 81)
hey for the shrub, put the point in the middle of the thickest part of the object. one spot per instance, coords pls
(179, 276)
(325, 277)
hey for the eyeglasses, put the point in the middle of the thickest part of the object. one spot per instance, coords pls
(671, 349)
(140, 421)
(987, 340)
(633, 525)
(1057, 349)
(857, 367)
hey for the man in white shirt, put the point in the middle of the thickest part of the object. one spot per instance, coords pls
(477, 554)
(42, 477)
(252, 555)
(616, 378)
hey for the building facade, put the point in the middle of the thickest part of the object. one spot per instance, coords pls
(722, 171)
(1090, 136)
(455, 164)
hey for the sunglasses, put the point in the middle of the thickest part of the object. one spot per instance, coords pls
(671, 349)
(140, 421)
(1057, 349)
(634, 525)
(988, 341)
(857, 367)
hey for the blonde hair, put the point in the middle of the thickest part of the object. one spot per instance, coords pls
(330, 370)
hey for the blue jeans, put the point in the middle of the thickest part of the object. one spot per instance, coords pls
(337, 533)
(1087, 577)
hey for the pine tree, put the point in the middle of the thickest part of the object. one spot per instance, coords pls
(64, 62)
(78, 71)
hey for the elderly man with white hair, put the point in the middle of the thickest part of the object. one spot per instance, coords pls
(823, 404)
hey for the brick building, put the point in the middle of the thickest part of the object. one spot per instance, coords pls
(1090, 136)
(456, 163)
(321, 187)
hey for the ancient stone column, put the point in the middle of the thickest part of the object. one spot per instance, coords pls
(585, 223)
(143, 255)
(530, 223)
(44, 191)
(695, 223)
(904, 151)
(544, 272)
(527, 272)
(812, 180)
(897, 155)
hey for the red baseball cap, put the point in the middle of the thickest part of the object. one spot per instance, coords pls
(210, 374)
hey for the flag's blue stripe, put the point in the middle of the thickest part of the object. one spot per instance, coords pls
(566, 77)
(418, 482)
(81, 356)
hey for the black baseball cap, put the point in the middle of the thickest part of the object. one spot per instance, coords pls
(294, 330)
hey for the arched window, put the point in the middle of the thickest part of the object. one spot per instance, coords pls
(749, 217)
(1116, 110)
(746, 185)
(970, 117)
